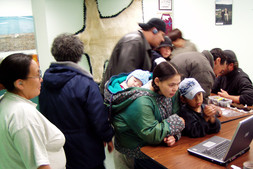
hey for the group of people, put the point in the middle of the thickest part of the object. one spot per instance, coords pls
(137, 113)
(72, 127)
(153, 99)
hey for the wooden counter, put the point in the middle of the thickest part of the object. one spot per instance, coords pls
(177, 157)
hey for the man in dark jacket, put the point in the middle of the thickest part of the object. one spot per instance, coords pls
(133, 51)
(235, 84)
(71, 100)
(204, 67)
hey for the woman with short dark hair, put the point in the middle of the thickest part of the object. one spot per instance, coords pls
(28, 139)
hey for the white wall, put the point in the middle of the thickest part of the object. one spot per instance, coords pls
(196, 20)
(15, 8)
(53, 17)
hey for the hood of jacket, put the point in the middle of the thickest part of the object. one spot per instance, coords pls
(209, 57)
(122, 99)
(59, 73)
(113, 84)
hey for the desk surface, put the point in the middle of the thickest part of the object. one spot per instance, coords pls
(177, 157)
(229, 114)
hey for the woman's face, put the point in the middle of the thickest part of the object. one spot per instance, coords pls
(31, 85)
(165, 51)
(168, 87)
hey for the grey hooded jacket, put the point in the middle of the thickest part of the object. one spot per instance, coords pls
(199, 66)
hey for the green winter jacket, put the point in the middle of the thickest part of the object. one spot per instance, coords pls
(141, 117)
(137, 125)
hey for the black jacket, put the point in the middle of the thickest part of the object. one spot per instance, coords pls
(236, 83)
(195, 124)
(199, 66)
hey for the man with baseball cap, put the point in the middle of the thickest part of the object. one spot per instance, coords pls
(133, 51)
(234, 84)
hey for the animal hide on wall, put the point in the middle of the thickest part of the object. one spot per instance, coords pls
(100, 35)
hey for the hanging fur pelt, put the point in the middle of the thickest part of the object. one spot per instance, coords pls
(101, 33)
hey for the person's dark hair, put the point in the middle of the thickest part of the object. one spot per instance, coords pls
(231, 58)
(218, 53)
(163, 71)
(165, 43)
(14, 67)
(67, 47)
(175, 34)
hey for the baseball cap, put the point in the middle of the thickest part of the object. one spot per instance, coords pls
(231, 57)
(159, 24)
(189, 87)
(142, 75)
(166, 42)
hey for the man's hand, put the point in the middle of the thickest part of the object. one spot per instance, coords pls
(223, 93)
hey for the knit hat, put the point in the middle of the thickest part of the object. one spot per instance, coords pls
(166, 42)
(231, 57)
(142, 75)
(159, 24)
(189, 87)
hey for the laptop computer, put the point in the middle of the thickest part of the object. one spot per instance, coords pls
(211, 149)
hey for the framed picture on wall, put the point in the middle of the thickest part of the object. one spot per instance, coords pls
(165, 4)
(223, 12)
(17, 33)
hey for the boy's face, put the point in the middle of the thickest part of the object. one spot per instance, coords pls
(196, 102)
(165, 51)
(134, 82)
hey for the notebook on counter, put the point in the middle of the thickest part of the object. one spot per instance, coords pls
(222, 151)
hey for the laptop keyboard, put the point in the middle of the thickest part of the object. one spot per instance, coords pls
(218, 151)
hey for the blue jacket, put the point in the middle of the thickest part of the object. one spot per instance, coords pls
(71, 100)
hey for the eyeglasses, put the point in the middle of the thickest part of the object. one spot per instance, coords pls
(39, 76)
